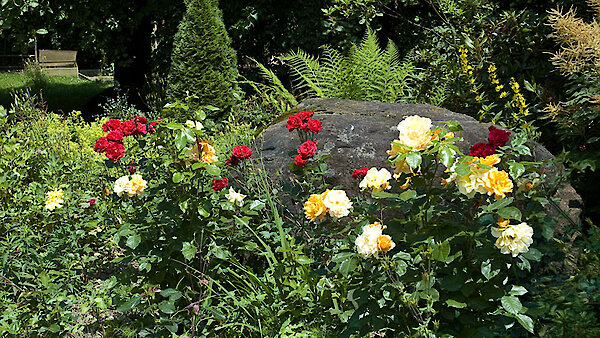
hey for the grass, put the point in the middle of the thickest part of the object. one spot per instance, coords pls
(59, 92)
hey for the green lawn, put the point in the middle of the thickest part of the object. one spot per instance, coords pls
(59, 92)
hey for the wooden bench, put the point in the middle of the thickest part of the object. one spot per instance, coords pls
(58, 62)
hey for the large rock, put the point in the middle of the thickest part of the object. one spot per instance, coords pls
(357, 134)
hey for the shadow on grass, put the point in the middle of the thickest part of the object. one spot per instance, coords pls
(59, 93)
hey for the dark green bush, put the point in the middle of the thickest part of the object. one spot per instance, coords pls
(203, 66)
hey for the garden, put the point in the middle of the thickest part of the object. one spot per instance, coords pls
(329, 168)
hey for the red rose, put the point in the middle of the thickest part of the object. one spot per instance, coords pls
(482, 150)
(112, 124)
(498, 137)
(101, 144)
(141, 129)
(152, 127)
(304, 116)
(219, 183)
(114, 151)
(141, 119)
(300, 161)
(92, 201)
(314, 126)
(242, 152)
(293, 122)
(307, 149)
(115, 136)
(128, 127)
(359, 173)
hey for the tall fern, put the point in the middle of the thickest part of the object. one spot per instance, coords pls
(366, 73)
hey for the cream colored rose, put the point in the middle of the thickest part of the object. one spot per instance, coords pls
(338, 203)
(514, 239)
(235, 197)
(415, 132)
(376, 180)
(367, 243)
(120, 184)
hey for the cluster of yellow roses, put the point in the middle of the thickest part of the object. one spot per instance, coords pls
(483, 178)
(415, 134)
(334, 202)
(135, 186)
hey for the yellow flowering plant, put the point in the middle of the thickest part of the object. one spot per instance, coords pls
(453, 222)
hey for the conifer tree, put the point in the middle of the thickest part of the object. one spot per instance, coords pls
(203, 64)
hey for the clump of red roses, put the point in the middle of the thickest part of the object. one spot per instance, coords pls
(304, 124)
(238, 154)
(496, 138)
(112, 143)
(305, 152)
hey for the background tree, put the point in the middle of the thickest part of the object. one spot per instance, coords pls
(203, 65)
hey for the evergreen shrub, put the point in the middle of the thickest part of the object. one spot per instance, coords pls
(203, 64)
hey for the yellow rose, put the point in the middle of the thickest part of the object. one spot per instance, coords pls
(490, 160)
(385, 243)
(314, 207)
(208, 153)
(376, 180)
(136, 185)
(54, 199)
(415, 132)
(497, 183)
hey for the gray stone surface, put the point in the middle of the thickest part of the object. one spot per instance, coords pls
(357, 134)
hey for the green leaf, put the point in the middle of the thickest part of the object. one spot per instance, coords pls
(303, 260)
(188, 250)
(511, 304)
(408, 194)
(500, 203)
(41, 31)
(510, 213)
(257, 205)
(130, 304)
(174, 126)
(533, 255)
(446, 157)
(180, 140)
(516, 169)
(202, 212)
(402, 255)
(170, 293)
(197, 165)
(213, 170)
(348, 266)
(383, 194)
(401, 267)
(525, 321)
(133, 241)
(453, 125)
(178, 177)
(463, 169)
(517, 290)
(166, 307)
(413, 160)
(441, 252)
(453, 303)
